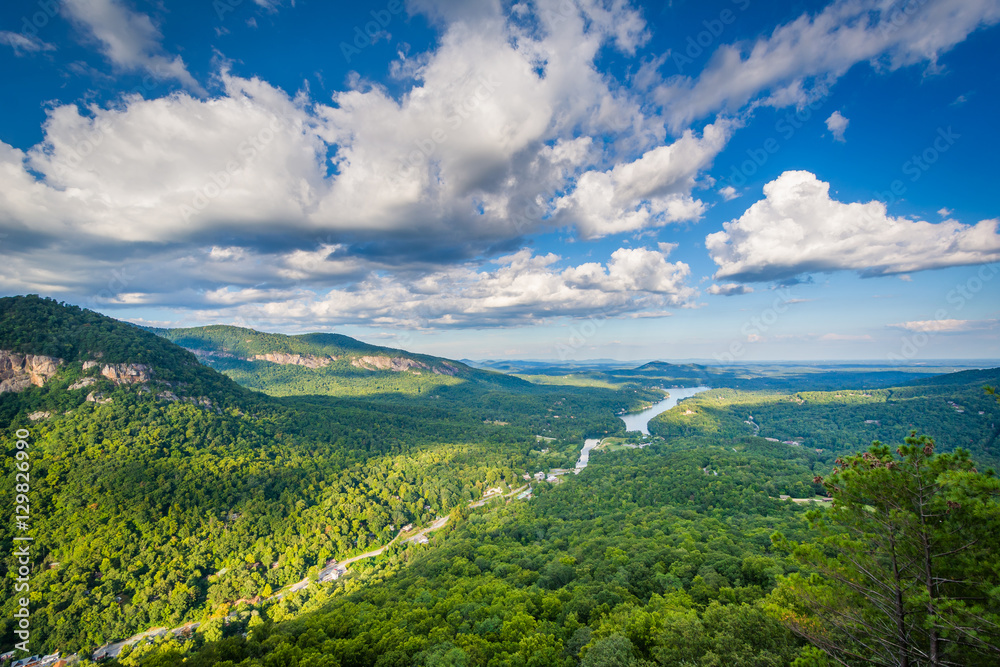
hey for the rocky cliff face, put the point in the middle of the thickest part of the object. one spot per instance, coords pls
(400, 364)
(284, 358)
(397, 364)
(122, 373)
(445, 369)
(307, 360)
(20, 371)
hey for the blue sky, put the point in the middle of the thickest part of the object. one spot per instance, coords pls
(565, 179)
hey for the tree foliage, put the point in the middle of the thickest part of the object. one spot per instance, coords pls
(908, 570)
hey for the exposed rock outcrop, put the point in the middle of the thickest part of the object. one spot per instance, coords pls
(117, 373)
(35, 416)
(400, 364)
(80, 384)
(127, 373)
(97, 397)
(284, 358)
(397, 364)
(20, 371)
(446, 369)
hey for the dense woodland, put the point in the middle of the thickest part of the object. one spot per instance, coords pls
(151, 511)
(643, 555)
(201, 504)
(957, 413)
(231, 350)
(650, 558)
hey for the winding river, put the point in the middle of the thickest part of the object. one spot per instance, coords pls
(638, 421)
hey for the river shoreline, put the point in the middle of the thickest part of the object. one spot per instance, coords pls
(639, 421)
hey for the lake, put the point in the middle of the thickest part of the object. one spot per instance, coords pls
(638, 421)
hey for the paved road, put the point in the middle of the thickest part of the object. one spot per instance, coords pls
(483, 501)
(112, 650)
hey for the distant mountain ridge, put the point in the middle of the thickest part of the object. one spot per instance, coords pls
(323, 363)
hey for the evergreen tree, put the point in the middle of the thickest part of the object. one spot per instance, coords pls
(909, 570)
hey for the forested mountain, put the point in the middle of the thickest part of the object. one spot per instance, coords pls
(322, 363)
(953, 408)
(643, 559)
(162, 491)
(760, 376)
(673, 555)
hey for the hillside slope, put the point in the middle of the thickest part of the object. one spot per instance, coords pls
(952, 408)
(323, 363)
(162, 491)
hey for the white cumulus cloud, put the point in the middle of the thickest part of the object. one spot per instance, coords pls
(128, 39)
(650, 191)
(837, 125)
(798, 228)
(523, 288)
(729, 289)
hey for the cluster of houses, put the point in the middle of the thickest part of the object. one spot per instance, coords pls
(806, 500)
(542, 477)
(793, 443)
(332, 571)
(51, 660)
